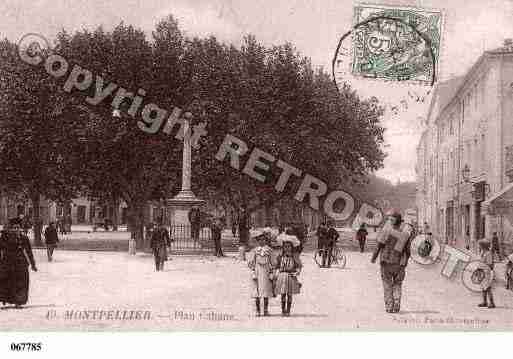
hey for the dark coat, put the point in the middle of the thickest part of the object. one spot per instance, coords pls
(361, 234)
(244, 225)
(51, 237)
(216, 230)
(322, 236)
(160, 238)
(15, 256)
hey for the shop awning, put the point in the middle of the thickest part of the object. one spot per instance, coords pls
(501, 203)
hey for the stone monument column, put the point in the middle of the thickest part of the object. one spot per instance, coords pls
(181, 204)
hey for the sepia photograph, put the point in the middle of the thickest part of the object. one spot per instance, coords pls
(255, 166)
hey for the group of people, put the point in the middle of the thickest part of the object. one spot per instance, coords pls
(275, 274)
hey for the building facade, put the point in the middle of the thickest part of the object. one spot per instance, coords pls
(461, 155)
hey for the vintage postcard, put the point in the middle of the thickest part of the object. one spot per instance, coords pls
(255, 166)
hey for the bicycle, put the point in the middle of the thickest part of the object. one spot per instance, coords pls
(338, 258)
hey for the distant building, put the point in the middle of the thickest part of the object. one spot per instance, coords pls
(465, 154)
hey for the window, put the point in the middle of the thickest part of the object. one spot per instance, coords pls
(451, 125)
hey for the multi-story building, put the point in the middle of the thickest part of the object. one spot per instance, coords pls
(464, 153)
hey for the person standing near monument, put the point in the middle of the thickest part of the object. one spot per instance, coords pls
(160, 240)
(394, 248)
(216, 229)
(195, 221)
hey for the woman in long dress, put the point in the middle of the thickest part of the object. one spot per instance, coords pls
(288, 268)
(15, 257)
(260, 261)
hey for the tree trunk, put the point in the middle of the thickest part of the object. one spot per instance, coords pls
(115, 214)
(37, 220)
(141, 242)
(136, 224)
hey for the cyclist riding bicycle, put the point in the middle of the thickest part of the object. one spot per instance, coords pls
(332, 238)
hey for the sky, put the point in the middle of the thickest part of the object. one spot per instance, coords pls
(314, 27)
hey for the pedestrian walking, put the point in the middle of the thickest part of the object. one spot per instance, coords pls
(15, 257)
(25, 224)
(496, 247)
(509, 272)
(244, 227)
(394, 250)
(160, 240)
(60, 225)
(287, 270)
(301, 232)
(216, 229)
(487, 258)
(51, 240)
(234, 227)
(361, 237)
(67, 224)
(260, 261)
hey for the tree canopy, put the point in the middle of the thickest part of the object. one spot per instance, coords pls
(58, 144)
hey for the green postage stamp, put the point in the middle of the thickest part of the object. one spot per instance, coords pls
(396, 43)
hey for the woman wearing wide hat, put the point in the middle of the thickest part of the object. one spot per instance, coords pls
(15, 257)
(288, 268)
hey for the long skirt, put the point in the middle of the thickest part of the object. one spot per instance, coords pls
(262, 284)
(14, 285)
(287, 283)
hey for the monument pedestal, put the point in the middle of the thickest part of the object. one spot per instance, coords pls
(181, 204)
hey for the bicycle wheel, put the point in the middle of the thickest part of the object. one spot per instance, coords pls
(318, 257)
(340, 258)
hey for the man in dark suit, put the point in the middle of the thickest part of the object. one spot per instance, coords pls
(160, 240)
(195, 221)
(51, 240)
(216, 229)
